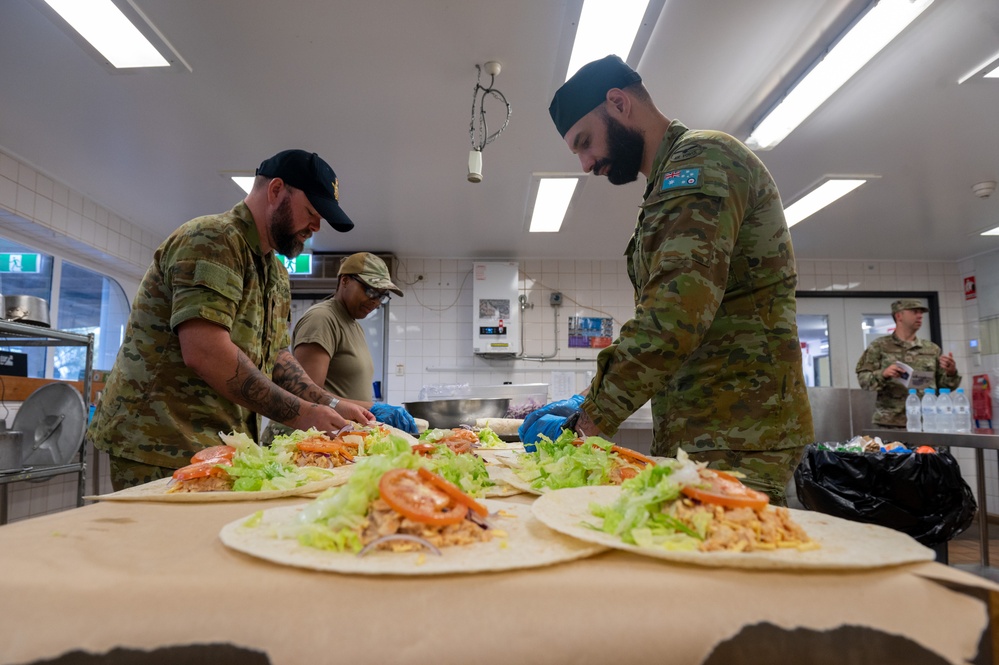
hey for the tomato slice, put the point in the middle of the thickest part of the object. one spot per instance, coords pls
(407, 494)
(320, 445)
(200, 470)
(627, 453)
(633, 456)
(723, 489)
(213, 453)
(453, 491)
(423, 448)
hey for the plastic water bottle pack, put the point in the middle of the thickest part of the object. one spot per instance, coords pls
(962, 413)
(929, 407)
(945, 412)
(913, 412)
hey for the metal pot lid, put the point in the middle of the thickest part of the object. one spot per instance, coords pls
(54, 419)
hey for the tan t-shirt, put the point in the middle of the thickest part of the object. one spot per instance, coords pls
(351, 370)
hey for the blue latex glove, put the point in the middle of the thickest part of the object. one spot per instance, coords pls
(550, 425)
(548, 420)
(396, 416)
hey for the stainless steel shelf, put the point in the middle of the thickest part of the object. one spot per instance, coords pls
(22, 334)
(38, 472)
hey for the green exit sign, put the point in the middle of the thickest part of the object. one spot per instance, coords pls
(300, 265)
(19, 262)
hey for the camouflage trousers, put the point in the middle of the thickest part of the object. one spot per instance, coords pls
(129, 473)
(768, 471)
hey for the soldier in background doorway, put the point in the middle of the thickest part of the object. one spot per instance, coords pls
(879, 369)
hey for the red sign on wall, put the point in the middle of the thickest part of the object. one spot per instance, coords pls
(969, 288)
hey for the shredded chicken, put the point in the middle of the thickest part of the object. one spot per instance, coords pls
(211, 483)
(322, 460)
(383, 521)
(743, 529)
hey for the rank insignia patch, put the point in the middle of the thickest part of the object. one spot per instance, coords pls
(685, 153)
(681, 178)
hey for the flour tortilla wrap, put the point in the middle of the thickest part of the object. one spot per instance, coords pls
(842, 544)
(157, 491)
(527, 544)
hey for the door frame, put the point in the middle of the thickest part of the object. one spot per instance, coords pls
(842, 373)
(932, 301)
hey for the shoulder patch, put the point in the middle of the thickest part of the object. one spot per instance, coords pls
(681, 154)
(681, 178)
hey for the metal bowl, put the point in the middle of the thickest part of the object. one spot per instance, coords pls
(445, 413)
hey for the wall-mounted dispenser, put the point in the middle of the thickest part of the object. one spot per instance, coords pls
(495, 309)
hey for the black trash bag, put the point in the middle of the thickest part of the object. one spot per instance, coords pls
(921, 494)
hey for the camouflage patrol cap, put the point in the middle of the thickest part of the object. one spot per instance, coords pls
(587, 89)
(908, 303)
(369, 269)
(308, 172)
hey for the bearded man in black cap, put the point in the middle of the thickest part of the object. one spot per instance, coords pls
(206, 345)
(714, 341)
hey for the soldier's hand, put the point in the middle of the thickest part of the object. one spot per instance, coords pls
(947, 364)
(320, 416)
(891, 371)
(354, 412)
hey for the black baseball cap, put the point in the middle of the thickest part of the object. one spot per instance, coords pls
(587, 89)
(308, 172)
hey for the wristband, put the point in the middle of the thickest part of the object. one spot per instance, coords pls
(333, 402)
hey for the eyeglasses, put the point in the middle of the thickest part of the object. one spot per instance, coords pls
(381, 296)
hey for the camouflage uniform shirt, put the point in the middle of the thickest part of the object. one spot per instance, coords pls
(921, 355)
(714, 339)
(155, 409)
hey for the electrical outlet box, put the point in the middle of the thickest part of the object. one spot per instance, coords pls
(555, 299)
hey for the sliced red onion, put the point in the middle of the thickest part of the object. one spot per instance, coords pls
(349, 427)
(476, 520)
(399, 536)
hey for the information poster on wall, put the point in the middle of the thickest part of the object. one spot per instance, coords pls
(590, 332)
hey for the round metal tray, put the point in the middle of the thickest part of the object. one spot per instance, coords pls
(53, 419)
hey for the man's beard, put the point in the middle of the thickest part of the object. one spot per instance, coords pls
(283, 235)
(625, 148)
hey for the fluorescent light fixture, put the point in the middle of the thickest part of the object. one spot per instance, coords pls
(991, 232)
(989, 67)
(868, 35)
(605, 27)
(827, 192)
(109, 31)
(245, 182)
(551, 204)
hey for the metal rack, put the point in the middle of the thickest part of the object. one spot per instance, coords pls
(23, 334)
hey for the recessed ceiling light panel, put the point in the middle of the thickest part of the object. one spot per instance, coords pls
(116, 33)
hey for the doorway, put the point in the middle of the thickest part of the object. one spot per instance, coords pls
(835, 328)
(374, 334)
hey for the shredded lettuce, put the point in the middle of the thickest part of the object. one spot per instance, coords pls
(558, 464)
(637, 516)
(333, 520)
(257, 468)
(489, 439)
(466, 471)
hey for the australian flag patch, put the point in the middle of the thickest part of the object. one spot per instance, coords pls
(681, 178)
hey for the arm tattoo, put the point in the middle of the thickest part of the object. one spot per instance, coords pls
(260, 394)
(290, 375)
